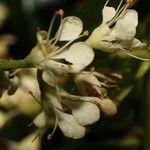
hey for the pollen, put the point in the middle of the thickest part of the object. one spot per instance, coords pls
(86, 33)
(60, 12)
(129, 1)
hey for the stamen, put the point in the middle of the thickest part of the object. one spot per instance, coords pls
(116, 15)
(106, 3)
(57, 36)
(49, 136)
(58, 12)
(50, 26)
(132, 55)
(63, 47)
(31, 94)
(119, 14)
(119, 6)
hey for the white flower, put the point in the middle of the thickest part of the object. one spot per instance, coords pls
(56, 102)
(117, 31)
(88, 84)
(48, 55)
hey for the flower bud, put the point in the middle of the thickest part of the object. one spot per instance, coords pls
(108, 106)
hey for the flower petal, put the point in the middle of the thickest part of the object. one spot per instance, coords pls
(40, 120)
(124, 30)
(49, 78)
(79, 55)
(85, 113)
(71, 28)
(137, 44)
(108, 13)
(131, 17)
(69, 126)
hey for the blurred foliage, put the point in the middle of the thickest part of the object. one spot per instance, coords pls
(130, 128)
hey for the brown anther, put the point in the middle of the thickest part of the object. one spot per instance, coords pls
(129, 1)
(59, 12)
(49, 137)
(92, 69)
(86, 33)
(30, 92)
(70, 66)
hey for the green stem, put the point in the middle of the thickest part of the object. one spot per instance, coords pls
(15, 64)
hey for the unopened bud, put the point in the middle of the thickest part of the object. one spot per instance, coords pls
(108, 106)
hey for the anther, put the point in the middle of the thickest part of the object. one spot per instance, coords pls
(129, 1)
(92, 69)
(30, 93)
(59, 12)
(86, 33)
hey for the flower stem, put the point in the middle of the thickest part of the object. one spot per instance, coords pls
(15, 64)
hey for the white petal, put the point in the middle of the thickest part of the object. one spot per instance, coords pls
(80, 55)
(71, 28)
(49, 78)
(40, 120)
(137, 44)
(108, 106)
(108, 13)
(131, 17)
(56, 67)
(85, 113)
(69, 126)
(124, 30)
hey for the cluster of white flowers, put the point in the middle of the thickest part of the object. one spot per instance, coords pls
(117, 31)
(56, 102)
(84, 109)
(48, 55)
(73, 112)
